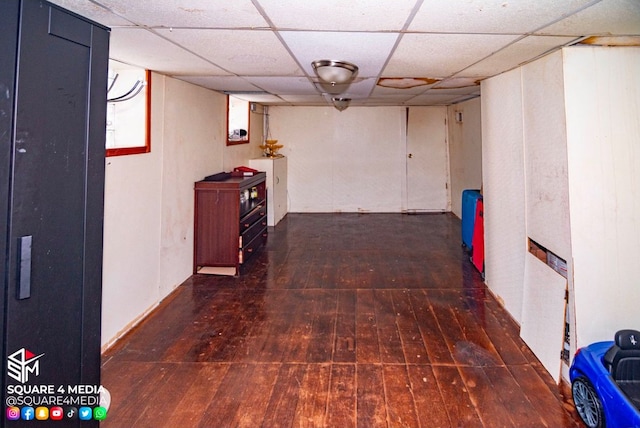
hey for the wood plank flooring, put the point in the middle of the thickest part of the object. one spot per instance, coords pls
(343, 320)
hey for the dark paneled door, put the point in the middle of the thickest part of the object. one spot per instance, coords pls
(54, 196)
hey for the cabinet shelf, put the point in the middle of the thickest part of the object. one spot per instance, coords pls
(246, 208)
(229, 229)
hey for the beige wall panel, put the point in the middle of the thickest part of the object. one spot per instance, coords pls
(148, 247)
(465, 150)
(547, 188)
(503, 178)
(193, 118)
(603, 137)
(542, 325)
(349, 161)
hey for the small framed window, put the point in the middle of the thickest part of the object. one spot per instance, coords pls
(237, 121)
(128, 110)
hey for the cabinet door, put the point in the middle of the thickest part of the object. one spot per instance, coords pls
(269, 166)
(280, 189)
(53, 287)
(9, 12)
(217, 228)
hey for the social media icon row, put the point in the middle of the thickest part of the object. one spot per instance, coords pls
(56, 413)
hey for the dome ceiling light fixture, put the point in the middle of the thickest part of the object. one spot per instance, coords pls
(341, 103)
(334, 72)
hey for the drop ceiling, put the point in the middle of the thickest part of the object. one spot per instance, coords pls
(409, 52)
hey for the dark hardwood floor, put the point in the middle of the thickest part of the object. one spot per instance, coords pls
(343, 320)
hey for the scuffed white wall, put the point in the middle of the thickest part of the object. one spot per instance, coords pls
(546, 175)
(561, 151)
(192, 148)
(504, 188)
(347, 161)
(526, 195)
(149, 202)
(131, 259)
(547, 206)
(354, 160)
(465, 150)
(602, 87)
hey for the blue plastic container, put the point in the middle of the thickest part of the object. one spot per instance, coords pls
(469, 199)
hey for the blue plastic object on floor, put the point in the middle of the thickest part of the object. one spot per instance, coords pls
(605, 382)
(469, 199)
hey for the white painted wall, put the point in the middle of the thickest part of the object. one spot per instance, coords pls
(526, 195)
(546, 175)
(349, 161)
(149, 202)
(547, 206)
(192, 148)
(465, 150)
(131, 260)
(602, 86)
(561, 151)
(504, 189)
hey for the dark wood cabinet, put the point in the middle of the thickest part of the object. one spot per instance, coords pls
(53, 79)
(230, 223)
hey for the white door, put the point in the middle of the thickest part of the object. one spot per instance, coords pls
(427, 160)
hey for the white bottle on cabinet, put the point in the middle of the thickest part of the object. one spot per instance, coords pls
(276, 169)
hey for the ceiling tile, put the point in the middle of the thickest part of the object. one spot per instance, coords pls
(432, 99)
(405, 83)
(221, 83)
(94, 12)
(339, 15)
(468, 90)
(305, 99)
(516, 54)
(148, 50)
(381, 91)
(465, 98)
(242, 52)
(259, 98)
(360, 91)
(284, 85)
(389, 99)
(455, 83)
(188, 13)
(609, 17)
(430, 55)
(231, 45)
(490, 16)
(369, 51)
